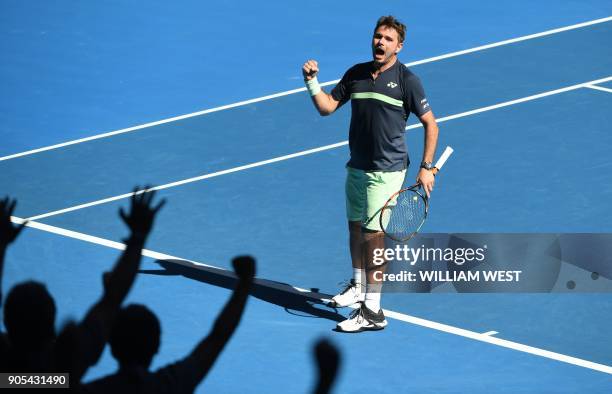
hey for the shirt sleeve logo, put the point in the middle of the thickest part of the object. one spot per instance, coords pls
(424, 103)
(391, 85)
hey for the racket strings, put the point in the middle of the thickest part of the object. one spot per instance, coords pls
(404, 215)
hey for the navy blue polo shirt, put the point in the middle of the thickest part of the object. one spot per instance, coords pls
(380, 109)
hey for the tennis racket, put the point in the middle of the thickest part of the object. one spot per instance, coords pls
(405, 211)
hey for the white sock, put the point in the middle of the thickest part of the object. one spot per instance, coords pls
(372, 298)
(358, 277)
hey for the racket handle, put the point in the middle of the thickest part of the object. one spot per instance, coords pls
(445, 155)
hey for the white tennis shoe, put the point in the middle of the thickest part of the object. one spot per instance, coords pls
(363, 319)
(351, 294)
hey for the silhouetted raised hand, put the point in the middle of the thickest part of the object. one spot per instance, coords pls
(142, 214)
(328, 362)
(8, 232)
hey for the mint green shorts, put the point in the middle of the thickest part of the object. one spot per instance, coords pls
(367, 192)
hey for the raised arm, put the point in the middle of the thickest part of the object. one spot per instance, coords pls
(97, 324)
(139, 220)
(323, 102)
(207, 351)
(8, 232)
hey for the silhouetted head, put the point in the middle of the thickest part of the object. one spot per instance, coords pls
(29, 316)
(135, 336)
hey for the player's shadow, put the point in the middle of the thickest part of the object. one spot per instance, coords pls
(305, 304)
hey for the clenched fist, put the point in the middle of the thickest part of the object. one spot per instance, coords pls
(310, 69)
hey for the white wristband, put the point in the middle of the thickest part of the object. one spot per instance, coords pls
(313, 86)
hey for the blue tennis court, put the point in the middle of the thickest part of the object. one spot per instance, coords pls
(205, 104)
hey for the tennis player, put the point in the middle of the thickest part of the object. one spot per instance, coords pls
(383, 93)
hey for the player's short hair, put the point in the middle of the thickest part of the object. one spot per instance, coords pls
(391, 22)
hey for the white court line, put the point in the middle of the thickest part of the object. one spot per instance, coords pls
(323, 297)
(293, 91)
(162, 256)
(500, 342)
(194, 179)
(599, 88)
(489, 333)
(311, 151)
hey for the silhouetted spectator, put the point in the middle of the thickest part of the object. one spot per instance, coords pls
(29, 311)
(135, 340)
(328, 362)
